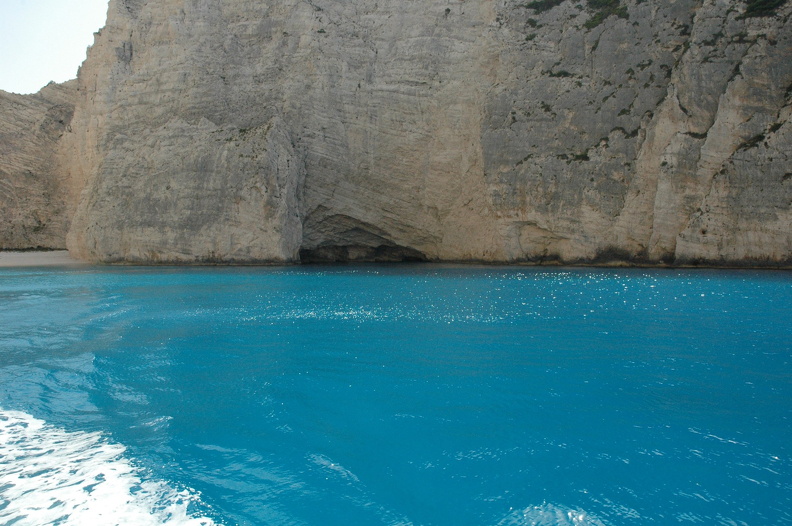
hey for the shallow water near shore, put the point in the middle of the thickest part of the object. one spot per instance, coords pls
(404, 394)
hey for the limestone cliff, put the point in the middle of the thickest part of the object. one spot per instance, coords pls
(639, 131)
(34, 187)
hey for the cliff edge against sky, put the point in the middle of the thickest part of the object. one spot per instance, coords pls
(598, 131)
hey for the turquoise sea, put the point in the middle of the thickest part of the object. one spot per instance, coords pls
(399, 395)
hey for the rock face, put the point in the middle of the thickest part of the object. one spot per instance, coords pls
(194, 193)
(34, 188)
(599, 131)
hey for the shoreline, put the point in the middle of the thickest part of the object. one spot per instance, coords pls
(61, 258)
(38, 258)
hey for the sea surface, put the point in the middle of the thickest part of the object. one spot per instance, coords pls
(398, 395)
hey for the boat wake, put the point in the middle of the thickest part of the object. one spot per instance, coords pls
(52, 476)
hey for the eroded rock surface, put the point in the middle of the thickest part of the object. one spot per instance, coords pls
(34, 186)
(621, 131)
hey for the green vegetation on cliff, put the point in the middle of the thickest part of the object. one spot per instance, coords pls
(754, 8)
(604, 9)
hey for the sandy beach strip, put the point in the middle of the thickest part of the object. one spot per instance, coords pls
(44, 258)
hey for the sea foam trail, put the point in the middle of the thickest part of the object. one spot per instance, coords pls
(550, 515)
(52, 476)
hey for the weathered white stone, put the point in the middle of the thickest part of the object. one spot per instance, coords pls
(260, 131)
(33, 183)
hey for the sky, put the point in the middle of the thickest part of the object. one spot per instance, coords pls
(45, 40)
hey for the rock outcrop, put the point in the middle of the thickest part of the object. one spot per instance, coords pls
(600, 131)
(34, 185)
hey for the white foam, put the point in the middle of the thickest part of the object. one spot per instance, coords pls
(52, 476)
(550, 515)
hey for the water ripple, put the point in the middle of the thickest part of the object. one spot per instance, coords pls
(51, 476)
(551, 515)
